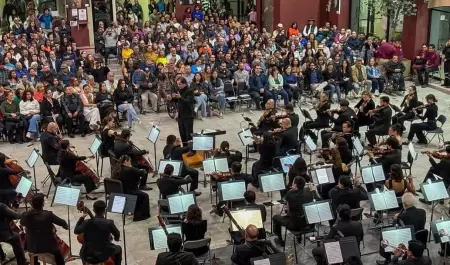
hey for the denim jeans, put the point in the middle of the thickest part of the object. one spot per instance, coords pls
(131, 113)
(377, 84)
(200, 102)
(33, 125)
(332, 88)
(220, 98)
(283, 94)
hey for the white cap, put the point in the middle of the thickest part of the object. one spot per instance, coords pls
(280, 25)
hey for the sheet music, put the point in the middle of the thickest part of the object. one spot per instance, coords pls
(378, 173)
(330, 175)
(160, 238)
(221, 164)
(233, 190)
(367, 175)
(154, 133)
(24, 186)
(187, 200)
(286, 161)
(118, 204)
(324, 211)
(67, 196)
(32, 158)
(358, 146)
(412, 150)
(390, 199)
(208, 166)
(446, 227)
(262, 262)
(310, 143)
(435, 191)
(378, 201)
(202, 143)
(322, 176)
(273, 182)
(314, 176)
(396, 237)
(246, 137)
(333, 252)
(176, 166)
(312, 214)
(95, 145)
(247, 217)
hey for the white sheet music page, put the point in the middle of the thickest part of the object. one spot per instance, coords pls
(322, 176)
(312, 214)
(358, 146)
(221, 164)
(378, 201)
(367, 175)
(203, 143)
(247, 217)
(391, 237)
(118, 204)
(378, 173)
(246, 137)
(67, 196)
(390, 199)
(153, 136)
(24, 186)
(160, 238)
(208, 166)
(446, 227)
(435, 191)
(31, 161)
(175, 204)
(403, 236)
(288, 161)
(334, 253)
(262, 262)
(187, 200)
(324, 211)
(310, 143)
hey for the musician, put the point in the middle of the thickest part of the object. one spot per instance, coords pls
(174, 151)
(131, 178)
(108, 136)
(267, 120)
(322, 120)
(50, 144)
(289, 108)
(231, 155)
(382, 121)
(267, 152)
(431, 112)
(363, 107)
(441, 169)
(395, 131)
(346, 134)
(398, 183)
(194, 228)
(345, 114)
(185, 98)
(299, 168)
(40, 230)
(344, 227)
(67, 168)
(252, 247)
(8, 236)
(11, 116)
(73, 109)
(175, 255)
(343, 193)
(412, 217)
(392, 156)
(236, 168)
(7, 189)
(345, 146)
(287, 137)
(123, 146)
(338, 168)
(97, 246)
(410, 101)
(414, 255)
(169, 185)
(295, 219)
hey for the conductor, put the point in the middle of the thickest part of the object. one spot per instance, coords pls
(185, 98)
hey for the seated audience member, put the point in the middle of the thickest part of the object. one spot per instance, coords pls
(73, 109)
(359, 77)
(433, 61)
(252, 248)
(90, 110)
(394, 72)
(194, 228)
(11, 116)
(345, 226)
(51, 109)
(175, 255)
(29, 110)
(123, 97)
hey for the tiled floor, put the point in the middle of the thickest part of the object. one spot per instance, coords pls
(138, 249)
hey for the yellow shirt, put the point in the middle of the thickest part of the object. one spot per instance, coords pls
(126, 53)
(162, 60)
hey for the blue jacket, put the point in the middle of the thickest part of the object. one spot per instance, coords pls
(253, 82)
(197, 15)
(22, 72)
(46, 21)
(373, 72)
(290, 79)
(161, 6)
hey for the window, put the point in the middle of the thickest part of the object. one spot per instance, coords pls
(440, 25)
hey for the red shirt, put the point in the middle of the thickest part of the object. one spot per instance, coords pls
(433, 59)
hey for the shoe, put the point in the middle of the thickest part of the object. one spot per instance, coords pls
(197, 193)
(441, 253)
(406, 143)
(195, 109)
(221, 115)
(145, 188)
(203, 118)
(377, 93)
(424, 201)
(382, 262)
(28, 135)
(279, 242)
(83, 135)
(419, 190)
(71, 136)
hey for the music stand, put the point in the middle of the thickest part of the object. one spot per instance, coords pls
(153, 138)
(287, 162)
(441, 230)
(318, 211)
(245, 217)
(271, 182)
(158, 238)
(383, 201)
(231, 190)
(412, 151)
(213, 165)
(336, 251)
(23, 188)
(202, 143)
(433, 191)
(68, 196)
(31, 162)
(179, 203)
(372, 173)
(177, 166)
(246, 138)
(94, 150)
(397, 235)
(358, 151)
(322, 175)
(276, 258)
(311, 146)
(123, 204)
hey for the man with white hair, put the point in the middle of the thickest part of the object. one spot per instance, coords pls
(288, 136)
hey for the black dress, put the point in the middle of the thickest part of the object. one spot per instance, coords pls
(107, 143)
(195, 231)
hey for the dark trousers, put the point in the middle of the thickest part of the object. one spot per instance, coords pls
(108, 51)
(398, 81)
(307, 129)
(7, 196)
(447, 72)
(145, 177)
(401, 118)
(293, 92)
(193, 173)
(424, 74)
(69, 123)
(255, 96)
(280, 221)
(325, 136)
(418, 128)
(85, 180)
(186, 127)
(15, 129)
(16, 245)
(374, 131)
(377, 84)
(117, 254)
(142, 210)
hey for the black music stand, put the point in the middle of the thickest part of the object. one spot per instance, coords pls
(246, 138)
(125, 205)
(358, 151)
(68, 196)
(158, 238)
(317, 175)
(372, 173)
(31, 162)
(177, 166)
(229, 191)
(94, 150)
(311, 146)
(382, 201)
(434, 192)
(153, 137)
(336, 251)
(441, 230)
(269, 183)
(396, 235)
(276, 258)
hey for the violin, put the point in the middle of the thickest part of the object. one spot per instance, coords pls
(141, 160)
(437, 154)
(334, 111)
(282, 116)
(339, 134)
(278, 131)
(376, 110)
(264, 116)
(381, 151)
(221, 176)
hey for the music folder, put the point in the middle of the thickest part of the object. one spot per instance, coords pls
(434, 190)
(24, 186)
(441, 230)
(231, 190)
(383, 200)
(287, 162)
(358, 148)
(396, 236)
(310, 143)
(318, 211)
(202, 143)
(158, 238)
(272, 182)
(179, 203)
(32, 158)
(246, 137)
(122, 203)
(177, 166)
(95, 145)
(322, 175)
(246, 217)
(154, 134)
(276, 258)
(213, 165)
(337, 251)
(66, 195)
(372, 173)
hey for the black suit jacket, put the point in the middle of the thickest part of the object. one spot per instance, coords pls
(346, 115)
(420, 261)
(415, 217)
(6, 215)
(249, 250)
(170, 185)
(395, 157)
(347, 228)
(57, 65)
(351, 197)
(39, 230)
(67, 163)
(383, 118)
(176, 258)
(50, 147)
(122, 147)
(288, 139)
(186, 104)
(96, 233)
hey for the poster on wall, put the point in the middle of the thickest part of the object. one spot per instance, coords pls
(82, 15)
(334, 6)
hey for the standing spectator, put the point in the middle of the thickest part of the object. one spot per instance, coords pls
(384, 53)
(110, 36)
(197, 13)
(46, 20)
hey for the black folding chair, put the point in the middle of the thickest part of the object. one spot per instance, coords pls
(112, 186)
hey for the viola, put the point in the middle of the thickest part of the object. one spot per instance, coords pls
(437, 154)
(380, 151)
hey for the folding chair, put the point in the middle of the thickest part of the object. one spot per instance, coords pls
(356, 214)
(408, 164)
(438, 131)
(299, 233)
(56, 181)
(112, 186)
(230, 93)
(242, 94)
(422, 236)
(196, 244)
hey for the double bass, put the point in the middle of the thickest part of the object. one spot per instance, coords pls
(141, 160)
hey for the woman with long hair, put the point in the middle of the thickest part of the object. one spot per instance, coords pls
(195, 227)
(345, 77)
(90, 110)
(130, 178)
(299, 168)
(276, 83)
(108, 136)
(398, 183)
(30, 109)
(200, 88)
(105, 102)
(374, 75)
(409, 102)
(51, 109)
(123, 97)
(216, 92)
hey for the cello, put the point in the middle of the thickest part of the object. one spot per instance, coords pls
(85, 169)
(12, 164)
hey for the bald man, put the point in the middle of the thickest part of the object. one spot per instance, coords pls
(268, 121)
(288, 137)
(50, 144)
(252, 248)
